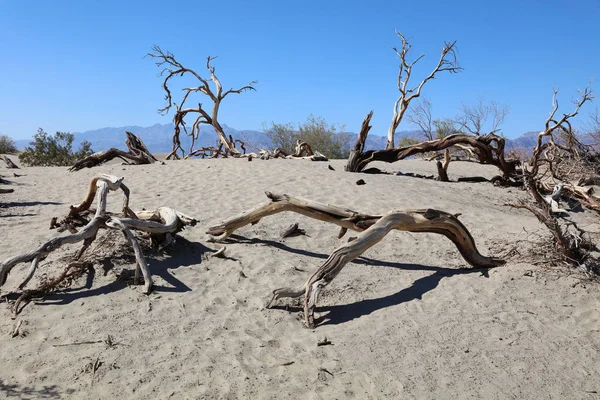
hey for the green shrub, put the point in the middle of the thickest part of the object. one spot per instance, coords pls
(7, 145)
(57, 150)
(316, 131)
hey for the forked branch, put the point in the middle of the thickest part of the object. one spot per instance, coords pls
(447, 62)
(373, 228)
(172, 68)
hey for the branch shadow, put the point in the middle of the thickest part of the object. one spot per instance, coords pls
(182, 253)
(338, 314)
(29, 392)
(30, 203)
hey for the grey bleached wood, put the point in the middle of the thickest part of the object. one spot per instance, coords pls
(373, 227)
(163, 221)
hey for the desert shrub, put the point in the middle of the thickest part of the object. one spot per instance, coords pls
(57, 150)
(407, 141)
(326, 138)
(7, 145)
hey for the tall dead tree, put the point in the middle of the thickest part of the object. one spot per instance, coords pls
(447, 62)
(171, 68)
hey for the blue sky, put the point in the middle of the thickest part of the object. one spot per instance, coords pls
(75, 66)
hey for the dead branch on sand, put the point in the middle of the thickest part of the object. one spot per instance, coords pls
(373, 227)
(9, 163)
(138, 154)
(161, 224)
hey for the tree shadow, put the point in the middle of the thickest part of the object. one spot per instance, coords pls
(182, 253)
(29, 392)
(29, 204)
(338, 314)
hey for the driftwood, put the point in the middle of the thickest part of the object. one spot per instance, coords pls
(489, 149)
(9, 163)
(303, 151)
(161, 224)
(373, 228)
(138, 154)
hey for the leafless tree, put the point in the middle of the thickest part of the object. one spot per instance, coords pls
(474, 118)
(172, 68)
(447, 62)
(421, 116)
(557, 145)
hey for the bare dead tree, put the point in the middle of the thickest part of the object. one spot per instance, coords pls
(421, 116)
(474, 118)
(447, 62)
(172, 68)
(556, 145)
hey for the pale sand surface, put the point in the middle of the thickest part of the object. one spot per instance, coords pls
(405, 320)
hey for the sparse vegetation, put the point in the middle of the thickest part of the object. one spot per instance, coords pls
(328, 139)
(53, 151)
(7, 145)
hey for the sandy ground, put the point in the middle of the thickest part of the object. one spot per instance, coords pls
(406, 320)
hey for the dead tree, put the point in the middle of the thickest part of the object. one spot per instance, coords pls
(546, 174)
(488, 149)
(9, 163)
(447, 62)
(474, 118)
(171, 68)
(161, 224)
(138, 154)
(373, 228)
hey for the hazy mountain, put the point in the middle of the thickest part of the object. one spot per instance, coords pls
(158, 138)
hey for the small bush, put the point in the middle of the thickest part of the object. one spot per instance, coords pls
(57, 150)
(7, 145)
(316, 131)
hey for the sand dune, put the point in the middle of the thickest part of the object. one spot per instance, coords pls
(406, 320)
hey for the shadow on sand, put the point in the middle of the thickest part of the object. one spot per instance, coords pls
(182, 253)
(338, 314)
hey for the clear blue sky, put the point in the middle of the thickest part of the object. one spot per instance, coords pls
(78, 65)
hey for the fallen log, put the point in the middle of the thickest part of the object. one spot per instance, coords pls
(138, 154)
(160, 224)
(373, 228)
(488, 149)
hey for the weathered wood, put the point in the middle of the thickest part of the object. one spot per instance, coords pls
(489, 149)
(373, 228)
(433, 221)
(138, 154)
(163, 222)
(279, 203)
(9, 163)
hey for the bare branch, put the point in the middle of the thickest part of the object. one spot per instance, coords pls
(447, 62)
(171, 68)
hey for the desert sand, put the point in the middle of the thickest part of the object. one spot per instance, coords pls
(409, 319)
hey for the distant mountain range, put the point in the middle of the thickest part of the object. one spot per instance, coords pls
(158, 138)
